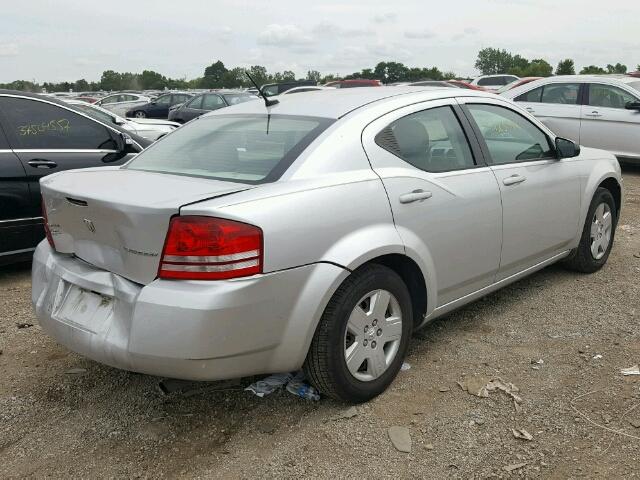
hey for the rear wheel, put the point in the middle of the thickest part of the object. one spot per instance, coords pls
(597, 235)
(363, 335)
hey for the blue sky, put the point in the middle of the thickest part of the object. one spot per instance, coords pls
(68, 40)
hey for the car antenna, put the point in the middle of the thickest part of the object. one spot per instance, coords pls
(267, 102)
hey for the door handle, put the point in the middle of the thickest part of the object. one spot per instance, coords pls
(594, 114)
(513, 180)
(530, 110)
(42, 163)
(415, 196)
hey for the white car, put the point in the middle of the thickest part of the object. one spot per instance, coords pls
(492, 83)
(593, 110)
(151, 129)
(121, 102)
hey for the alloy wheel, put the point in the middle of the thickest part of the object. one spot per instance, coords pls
(373, 335)
(601, 229)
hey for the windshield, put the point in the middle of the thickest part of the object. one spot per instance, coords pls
(234, 98)
(238, 148)
(94, 113)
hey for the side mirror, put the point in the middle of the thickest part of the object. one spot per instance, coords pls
(633, 106)
(566, 148)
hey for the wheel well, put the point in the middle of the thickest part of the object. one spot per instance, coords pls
(413, 279)
(613, 186)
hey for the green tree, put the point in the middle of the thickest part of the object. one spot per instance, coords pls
(617, 68)
(492, 61)
(314, 76)
(538, 68)
(81, 85)
(110, 80)
(213, 75)
(390, 72)
(150, 80)
(449, 76)
(592, 70)
(566, 67)
(259, 74)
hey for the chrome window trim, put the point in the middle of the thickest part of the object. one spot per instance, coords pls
(15, 252)
(71, 110)
(5, 150)
(20, 219)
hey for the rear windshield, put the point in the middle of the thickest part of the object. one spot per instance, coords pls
(236, 148)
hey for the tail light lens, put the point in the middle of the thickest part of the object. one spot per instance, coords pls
(47, 231)
(207, 248)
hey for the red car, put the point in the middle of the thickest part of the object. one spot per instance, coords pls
(517, 83)
(461, 84)
(358, 82)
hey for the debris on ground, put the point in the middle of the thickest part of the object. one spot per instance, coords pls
(300, 388)
(477, 387)
(635, 423)
(269, 384)
(444, 389)
(75, 371)
(635, 370)
(24, 325)
(400, 438)
(516, 466)
(597, 357)
(522, 434)
(347, 413)
(405, 366)
(536, 364)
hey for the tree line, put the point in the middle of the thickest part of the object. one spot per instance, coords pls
(217, 75)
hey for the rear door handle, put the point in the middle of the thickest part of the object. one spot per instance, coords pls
(513, 180)
(415, 196)
(594, 114)
(42, 163)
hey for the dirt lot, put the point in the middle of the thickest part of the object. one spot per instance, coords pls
(101, 422)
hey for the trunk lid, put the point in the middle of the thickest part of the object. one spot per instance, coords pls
(117, 219)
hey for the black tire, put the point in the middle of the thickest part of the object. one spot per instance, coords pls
(581, 258)
(139, 114)
(325, 365)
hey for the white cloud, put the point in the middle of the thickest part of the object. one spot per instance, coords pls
(8, 49)
(326, 29)
(388, 17)
(284, 36)
(419, 34)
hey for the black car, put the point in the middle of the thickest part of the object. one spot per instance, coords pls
(159, 106)
(207, 102)
(272, 89)
(40, 136)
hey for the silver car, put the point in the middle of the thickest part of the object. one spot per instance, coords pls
(317, 233)
(599, 111)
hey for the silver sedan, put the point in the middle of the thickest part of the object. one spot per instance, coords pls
(316, 233)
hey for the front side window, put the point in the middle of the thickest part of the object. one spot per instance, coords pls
(532, 96)
(431, 140)
(110, 99)
(562, 93)
(510, 137)
(212, 102)
(195, 103)
(236, 148)
(164, 100)
(608, 96)
(38, 125)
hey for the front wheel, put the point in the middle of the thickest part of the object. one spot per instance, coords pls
(597, 235)
(139, 114)
(363, 336)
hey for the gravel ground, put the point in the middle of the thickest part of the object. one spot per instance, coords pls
(579, 409)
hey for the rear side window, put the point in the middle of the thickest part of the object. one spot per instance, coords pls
(431, 140)
(484, 82)
(212, 102)
(509, 137)
(32, 124)
(236, 148)
(195, 103)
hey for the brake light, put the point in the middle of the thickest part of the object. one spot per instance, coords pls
(207, 248)
(47, 231)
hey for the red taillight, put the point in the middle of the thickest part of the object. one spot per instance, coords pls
(206, 248)
(47, 231)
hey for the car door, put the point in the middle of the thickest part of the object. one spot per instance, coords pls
(607, 124)
(16, 218)
(49, 138)
(159, 108)
(540, 194)
(445, 201)
(558, 105)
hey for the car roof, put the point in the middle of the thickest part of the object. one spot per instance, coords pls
(336, 103)
(514, 92)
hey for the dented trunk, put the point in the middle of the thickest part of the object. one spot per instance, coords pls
(117, 219)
